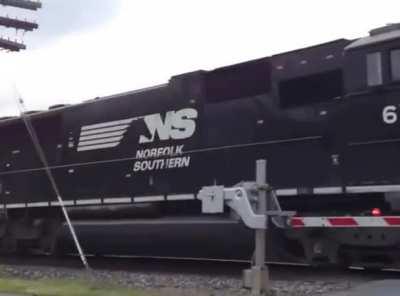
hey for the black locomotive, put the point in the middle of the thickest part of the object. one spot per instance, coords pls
(325, 117)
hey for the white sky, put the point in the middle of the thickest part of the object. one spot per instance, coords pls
(100, 50)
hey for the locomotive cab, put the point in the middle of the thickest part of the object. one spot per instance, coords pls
(373, 63)
(368, 121)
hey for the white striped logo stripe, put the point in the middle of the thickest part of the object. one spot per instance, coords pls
(104, 130)
(95, 147)
(104, 135)
(107, 124)
(100, 141)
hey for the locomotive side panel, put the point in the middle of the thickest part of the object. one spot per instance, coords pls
(22, 175)
(128, 145)
(241, 131)
(371, 155)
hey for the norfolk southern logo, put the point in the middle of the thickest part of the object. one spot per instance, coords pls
(176, 125)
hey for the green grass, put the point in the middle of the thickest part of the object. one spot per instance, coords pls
(62, 288)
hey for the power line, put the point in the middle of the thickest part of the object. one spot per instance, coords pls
(24, 4)
(11, 45)
(17, 24)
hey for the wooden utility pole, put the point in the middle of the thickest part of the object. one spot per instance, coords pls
(17, 24)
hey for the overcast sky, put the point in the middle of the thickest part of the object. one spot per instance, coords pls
(90, 48)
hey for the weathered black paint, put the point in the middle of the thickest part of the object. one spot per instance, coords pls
(240, 119)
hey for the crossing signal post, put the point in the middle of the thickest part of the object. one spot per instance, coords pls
(17, 24)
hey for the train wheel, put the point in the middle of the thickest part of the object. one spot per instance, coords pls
(8, 245)
(48, 240)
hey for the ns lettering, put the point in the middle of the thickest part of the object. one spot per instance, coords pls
(177, 125)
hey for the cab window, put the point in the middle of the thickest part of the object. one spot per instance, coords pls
(395, 64)
(374, 69)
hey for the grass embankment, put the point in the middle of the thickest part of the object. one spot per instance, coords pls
(62, 288)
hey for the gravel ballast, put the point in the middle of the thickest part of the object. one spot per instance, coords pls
(291, 283)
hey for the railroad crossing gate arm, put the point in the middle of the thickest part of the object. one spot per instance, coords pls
(241, 199)
(254, 203)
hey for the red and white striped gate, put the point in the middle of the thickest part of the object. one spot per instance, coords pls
(345, 221)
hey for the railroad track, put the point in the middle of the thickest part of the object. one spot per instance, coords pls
(193, 275)
(231, 268)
